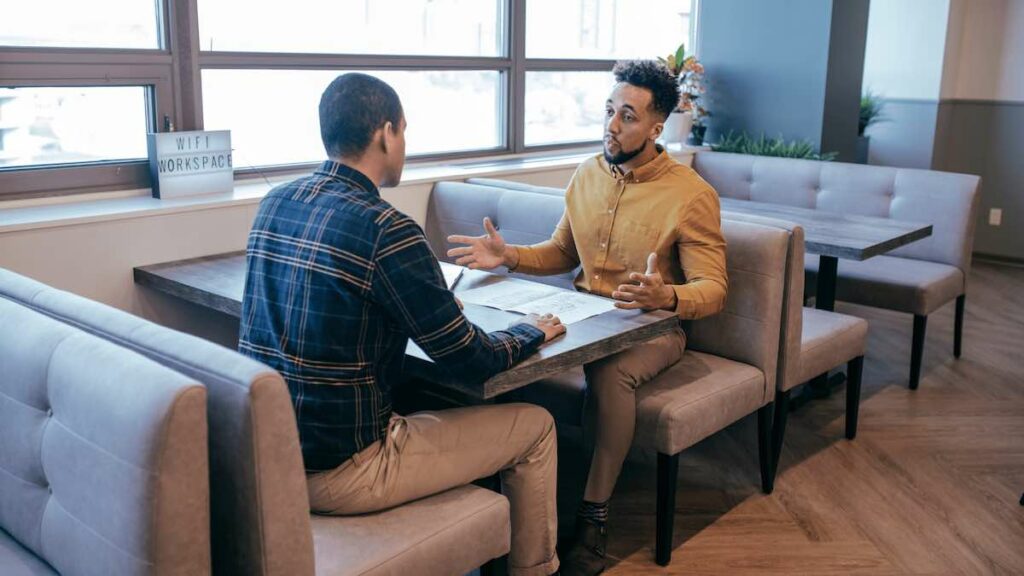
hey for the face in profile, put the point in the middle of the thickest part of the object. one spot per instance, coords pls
(630, 124)
(394, 138)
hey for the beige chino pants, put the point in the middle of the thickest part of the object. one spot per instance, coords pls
(430, 452)
(611, 405)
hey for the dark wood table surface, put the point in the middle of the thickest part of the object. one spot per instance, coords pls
(833, 236)
(217, 282)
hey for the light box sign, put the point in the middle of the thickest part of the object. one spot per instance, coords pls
(190, 163)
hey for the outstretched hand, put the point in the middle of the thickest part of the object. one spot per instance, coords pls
(480, 252)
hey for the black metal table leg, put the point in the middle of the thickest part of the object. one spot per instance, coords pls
(825, 295)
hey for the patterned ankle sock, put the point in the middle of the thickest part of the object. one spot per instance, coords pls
(595, 512)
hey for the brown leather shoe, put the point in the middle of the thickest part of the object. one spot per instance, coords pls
(587, 554)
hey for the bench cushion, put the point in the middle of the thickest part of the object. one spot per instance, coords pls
(15, 560)
(448, 533)
(829, 340)
(695, 398)
(902, 284)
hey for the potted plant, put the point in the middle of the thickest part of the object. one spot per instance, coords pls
(690, 113)
(870, 113)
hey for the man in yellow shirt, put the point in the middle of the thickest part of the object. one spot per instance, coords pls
(647, 231)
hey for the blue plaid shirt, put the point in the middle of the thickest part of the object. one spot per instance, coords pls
(338, 280)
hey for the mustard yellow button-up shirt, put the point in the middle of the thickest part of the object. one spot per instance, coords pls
(612, 221)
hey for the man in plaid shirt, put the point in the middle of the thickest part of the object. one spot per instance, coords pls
(338, 281)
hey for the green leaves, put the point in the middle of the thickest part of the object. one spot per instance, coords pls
(871, 105)
(674, 62)
(743, 143)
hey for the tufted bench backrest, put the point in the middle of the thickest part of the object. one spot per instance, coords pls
(523, 217)
(946, 200)
(260, 511)
(103, 453)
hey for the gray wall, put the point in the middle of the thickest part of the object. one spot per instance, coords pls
(906, 136)
(768, 66)
(970, 136)
(987, 138)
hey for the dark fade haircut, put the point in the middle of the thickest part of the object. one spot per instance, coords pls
(653, 76)
(352, 108)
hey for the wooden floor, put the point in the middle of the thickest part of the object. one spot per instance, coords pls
(931, 485)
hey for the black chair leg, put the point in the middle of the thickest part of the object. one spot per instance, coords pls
(668, 473)
(854, 372)
(779, 429)
(764, 448)
(917, 350)
(958, 324)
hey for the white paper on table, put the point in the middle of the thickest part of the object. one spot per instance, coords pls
(570, 307)
(506, 295)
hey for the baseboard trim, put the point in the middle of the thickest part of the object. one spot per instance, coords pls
(997, 259)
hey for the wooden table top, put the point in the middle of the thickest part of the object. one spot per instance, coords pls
(217, 282)
(848, 236)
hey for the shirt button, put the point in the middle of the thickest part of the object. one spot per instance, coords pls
(597, 276)
(602, 244)
(609, 211)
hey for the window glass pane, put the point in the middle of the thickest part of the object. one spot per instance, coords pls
(81, 23)
(565, 106)
(273, 117)
(62, 125)
(606, 29)
(417, 27)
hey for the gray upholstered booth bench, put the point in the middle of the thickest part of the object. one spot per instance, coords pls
(260, 517)
(917, 278)
(103, 455)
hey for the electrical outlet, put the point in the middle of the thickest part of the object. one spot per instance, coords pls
(995, 217)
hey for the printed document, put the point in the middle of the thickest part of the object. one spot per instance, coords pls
(530, 298)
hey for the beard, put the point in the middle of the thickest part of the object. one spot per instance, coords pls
(623, 156)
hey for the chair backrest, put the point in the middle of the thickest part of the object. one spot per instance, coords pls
(259, 507)
(103, 453)
(947, 201)
(522, 217)
(748, 329)
(793, 300)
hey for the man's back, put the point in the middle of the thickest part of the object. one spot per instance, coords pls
(306, 309)
(337, 282)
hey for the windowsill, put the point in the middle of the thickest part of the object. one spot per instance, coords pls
(18, 215)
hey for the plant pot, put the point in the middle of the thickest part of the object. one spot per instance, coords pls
(862, 149)
(677, 127)
(697, 135)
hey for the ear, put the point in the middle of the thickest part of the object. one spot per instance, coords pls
(385, 141)
(657, 129)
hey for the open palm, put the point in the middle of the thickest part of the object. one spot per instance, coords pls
(480, 252)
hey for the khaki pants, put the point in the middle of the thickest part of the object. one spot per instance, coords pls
(611, 405)
(430, 452)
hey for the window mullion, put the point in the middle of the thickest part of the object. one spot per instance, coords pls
(183, 36)
(517, 76)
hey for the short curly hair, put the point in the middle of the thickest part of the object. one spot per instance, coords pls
(654, 76)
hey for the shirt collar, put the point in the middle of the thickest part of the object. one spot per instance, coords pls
(351, 176)
(649, 171)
